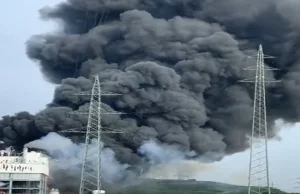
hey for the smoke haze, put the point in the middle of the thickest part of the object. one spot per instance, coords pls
(177, 64)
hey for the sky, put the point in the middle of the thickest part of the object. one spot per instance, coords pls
(283, 161)
(16, 86)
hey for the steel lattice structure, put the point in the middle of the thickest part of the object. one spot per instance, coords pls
(91, 167)
(93, 131)
(258, 180)
(91, 176)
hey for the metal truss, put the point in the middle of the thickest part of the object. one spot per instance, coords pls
(258, 180)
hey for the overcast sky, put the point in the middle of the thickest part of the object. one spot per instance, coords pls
(22, 85)
(283, 162)
(23, 88)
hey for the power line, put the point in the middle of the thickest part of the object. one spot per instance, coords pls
(102, 19)
(258, 180)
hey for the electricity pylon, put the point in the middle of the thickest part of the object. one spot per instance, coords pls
(258, 180)
(91, 167)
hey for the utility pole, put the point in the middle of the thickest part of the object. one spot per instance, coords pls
(91, 177)
(258, 180)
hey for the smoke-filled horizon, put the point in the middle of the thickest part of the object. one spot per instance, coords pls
(177, 64)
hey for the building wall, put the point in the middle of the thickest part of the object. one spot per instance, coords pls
(24, 183)
(27, 174)
(20, 176)
(30, 162)
(24, 168)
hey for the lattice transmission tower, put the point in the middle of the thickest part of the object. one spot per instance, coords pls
(258, 180)
(91, 176)
(91, 167)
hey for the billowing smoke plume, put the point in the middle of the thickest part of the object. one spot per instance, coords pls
(67, 157)
(177, 64)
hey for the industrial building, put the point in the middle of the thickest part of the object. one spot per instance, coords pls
(27, 173)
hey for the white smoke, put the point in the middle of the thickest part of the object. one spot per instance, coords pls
(169, 162)
(158, 153)
(68, 157)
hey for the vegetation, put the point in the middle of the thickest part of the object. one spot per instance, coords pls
(150, 186)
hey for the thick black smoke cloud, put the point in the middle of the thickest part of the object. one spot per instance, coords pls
(176, 62)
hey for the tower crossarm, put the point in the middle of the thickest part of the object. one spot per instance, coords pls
(253, 68)
(74, 130)
(256, 56)
(104, 112)
(83, 130)
(103, 93)
(253, 80)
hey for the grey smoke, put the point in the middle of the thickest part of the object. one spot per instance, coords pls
(177, 64)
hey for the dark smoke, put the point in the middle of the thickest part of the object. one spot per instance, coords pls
(176, 62)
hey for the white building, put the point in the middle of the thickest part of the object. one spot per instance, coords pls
(25, 174)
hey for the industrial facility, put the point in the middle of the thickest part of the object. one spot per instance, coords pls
(27, 173)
